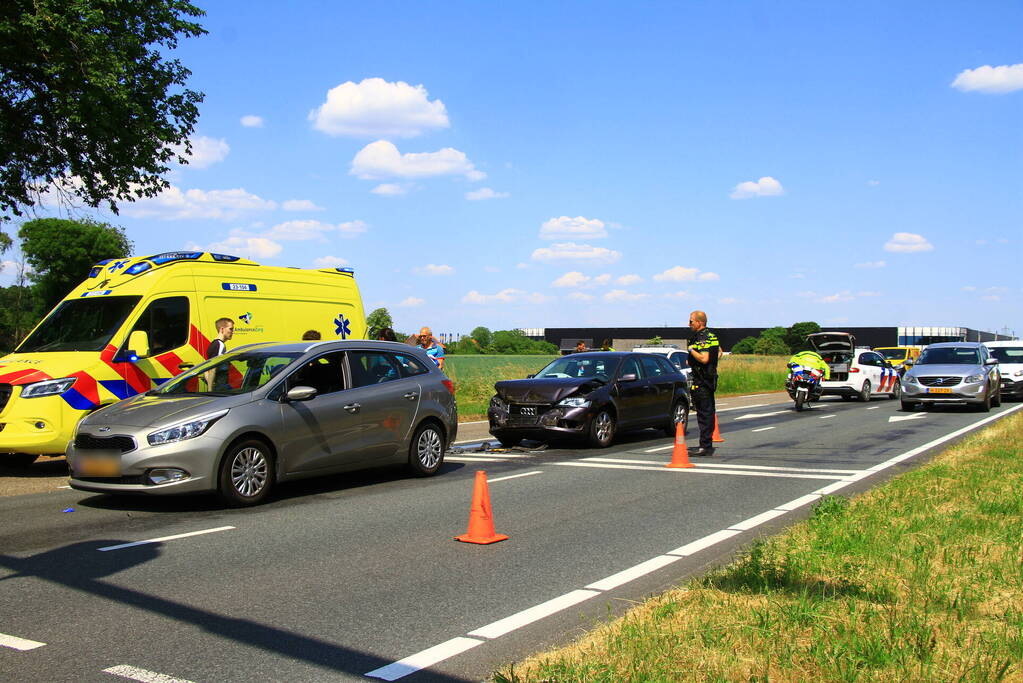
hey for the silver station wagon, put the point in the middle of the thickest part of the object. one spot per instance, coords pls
(268, 413)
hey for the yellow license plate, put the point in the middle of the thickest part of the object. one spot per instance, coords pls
(932, 390)
(97, 466)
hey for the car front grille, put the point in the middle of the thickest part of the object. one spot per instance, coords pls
(109, 443)
(940, 381)
(5, 395)
(136, 479)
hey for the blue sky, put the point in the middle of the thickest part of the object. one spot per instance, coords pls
(609, 163)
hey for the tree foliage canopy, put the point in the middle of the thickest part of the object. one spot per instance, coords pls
(796, 337)
(378, 319)
(90, 107)
(61, 252)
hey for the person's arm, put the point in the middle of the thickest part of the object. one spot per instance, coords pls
(701, 357)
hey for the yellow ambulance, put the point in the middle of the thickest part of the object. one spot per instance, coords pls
(134, 323)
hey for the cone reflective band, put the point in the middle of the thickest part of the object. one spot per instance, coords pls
(481, 522)
(680, 454)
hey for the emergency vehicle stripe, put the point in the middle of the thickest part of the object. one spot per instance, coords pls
(26, 376)
(130, 373)
(118, 387)
(77, 400)
(170, 361)
(85, 386)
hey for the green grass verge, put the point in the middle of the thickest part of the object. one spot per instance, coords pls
(474, 377)
(918, 580)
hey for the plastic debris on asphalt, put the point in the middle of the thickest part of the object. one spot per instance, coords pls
(68, 510)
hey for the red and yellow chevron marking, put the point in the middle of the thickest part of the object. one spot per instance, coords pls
(24, 376)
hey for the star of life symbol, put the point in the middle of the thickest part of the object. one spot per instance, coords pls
(117, 266)
(342, 326)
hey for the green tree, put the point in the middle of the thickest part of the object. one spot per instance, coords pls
(20, 310)
(61, 252)
(745, 345)
(770, 345)
(655, 340)
(90, 104)
(377, 320)
(483, 336)
(775, 332)
(796, 335)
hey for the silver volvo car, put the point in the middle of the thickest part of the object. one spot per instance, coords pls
(953, 373)
(267, 413)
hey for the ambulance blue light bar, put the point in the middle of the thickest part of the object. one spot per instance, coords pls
(171, 256)
(346, 271)
(224, 257)
(139, 267)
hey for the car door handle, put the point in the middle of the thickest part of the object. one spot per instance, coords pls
(412, 396)
(352, 407)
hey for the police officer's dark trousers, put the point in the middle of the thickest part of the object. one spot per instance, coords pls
(703, 401)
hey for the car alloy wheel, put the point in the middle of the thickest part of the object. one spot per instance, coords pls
(865, 391)
(246, 473)
(679, 413)
(426, 453)
(249, 472)
(602, 429)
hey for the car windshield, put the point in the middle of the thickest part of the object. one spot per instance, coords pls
(949, 355)
(1007, 354)
(893, 354)
(598, 367)
(232, 373)
(80, 325)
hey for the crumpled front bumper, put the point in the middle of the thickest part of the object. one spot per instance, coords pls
(550, 423)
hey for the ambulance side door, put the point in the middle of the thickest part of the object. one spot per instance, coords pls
(166, 322)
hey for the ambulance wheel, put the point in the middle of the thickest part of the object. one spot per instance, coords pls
(246, 473)
(896, 391)
(864, 395)
(18, 459)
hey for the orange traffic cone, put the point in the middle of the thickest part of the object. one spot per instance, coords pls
(481, 523)
(716, 436)
(680, 454)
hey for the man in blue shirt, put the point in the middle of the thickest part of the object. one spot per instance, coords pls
(433, 349)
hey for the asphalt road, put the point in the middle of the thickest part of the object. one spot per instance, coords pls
(342, 577)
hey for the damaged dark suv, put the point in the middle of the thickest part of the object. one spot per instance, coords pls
(591, 396)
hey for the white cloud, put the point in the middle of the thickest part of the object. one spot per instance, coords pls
(381, 159)
(175, 204)
(570, 251)
(571, 279)
(240, 244)
(205, 151)
(572, 228)
(683, 274)
(389, 189)
(602, 279)
(252, 121)
(630, 279)
(993, 80)
(765, 187)
(485, 193)
(620, 295)
(352, 228)
(506, 296)
(378, 108)
(300, 205)
(580, 296)
(431, 269)
(837, 297)
(871, 264)
(412, 302)
(330, 262)
(907, 242)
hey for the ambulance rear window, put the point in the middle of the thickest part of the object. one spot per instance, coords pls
(80, 325)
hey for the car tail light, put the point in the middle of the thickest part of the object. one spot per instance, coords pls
(449, 384)
(854, 369)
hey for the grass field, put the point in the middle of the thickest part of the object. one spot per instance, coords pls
(918, 580)
(474, 377)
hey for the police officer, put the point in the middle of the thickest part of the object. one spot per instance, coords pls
(704, 352)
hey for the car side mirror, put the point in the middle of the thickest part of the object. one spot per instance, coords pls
(300, 394)
(991, 361)
(908, 362)
(628, 377)
(138, 342)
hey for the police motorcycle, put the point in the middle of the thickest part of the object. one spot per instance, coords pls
(803, 384)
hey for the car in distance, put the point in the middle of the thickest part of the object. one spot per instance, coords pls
(590, 396)
(953, 373)
(266, 413)
(678, 357)
(856, 372)
(1010, 366)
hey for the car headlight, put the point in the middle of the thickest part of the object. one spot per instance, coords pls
(1018, 373)
(574, 402)
(909, 379)
(184, 430)
(973, 379)
(497, 404)
(50, 387)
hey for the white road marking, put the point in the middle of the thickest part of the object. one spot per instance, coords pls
(164, 538)
(900, 418)
(474, 422)
(626, 575)
(459, 458)
(16, 643)
(755, 405)
(755, 415)
(493, 454)
(659, 448)
(535, 613)
(458, 645)
(428, 657)
(731, 467)
(514, 476)
(873, 407)
(136, 674)
(63, 487)
(762, 429)
(824, 417)
(695, 470)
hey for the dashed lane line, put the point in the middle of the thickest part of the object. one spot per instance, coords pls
(459, 458)
(16, 643)
(162, 539)
(752, 416)
(455, 646)
(515, 476)
(762, 429)
(134, 673)
(825, 417)
(696, 470)
(727, 466)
